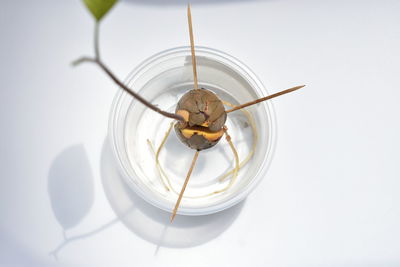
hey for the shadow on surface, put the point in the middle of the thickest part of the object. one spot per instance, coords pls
(70, 186)
(68, 240)
(151, 223)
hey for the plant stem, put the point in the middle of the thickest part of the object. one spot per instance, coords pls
(126, 89)
(96, 40)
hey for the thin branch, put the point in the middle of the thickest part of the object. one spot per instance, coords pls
(265, 98)
(184, 185)
(96, 40)
(189, 15)
(82, 60)
(126, 89)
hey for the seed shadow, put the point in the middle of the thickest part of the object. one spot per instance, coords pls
(152, 224)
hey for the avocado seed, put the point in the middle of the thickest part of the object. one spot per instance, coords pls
(204, 116)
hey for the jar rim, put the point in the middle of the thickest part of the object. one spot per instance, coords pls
(232, 63)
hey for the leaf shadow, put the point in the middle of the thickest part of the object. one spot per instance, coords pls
(71, 189)
(70, 186)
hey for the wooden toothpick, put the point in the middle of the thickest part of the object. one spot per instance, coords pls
(184, 185)
(265, 98)
(189, 14)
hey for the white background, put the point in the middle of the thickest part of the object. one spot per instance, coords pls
(331, 194)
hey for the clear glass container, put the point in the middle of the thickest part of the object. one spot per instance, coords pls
(163, 79)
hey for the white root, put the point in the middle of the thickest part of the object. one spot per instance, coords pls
(233, 173)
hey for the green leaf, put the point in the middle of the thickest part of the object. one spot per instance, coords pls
(99, 7)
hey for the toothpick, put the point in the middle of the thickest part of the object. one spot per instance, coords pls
(189, 14)
(184, 186)
(265, 98)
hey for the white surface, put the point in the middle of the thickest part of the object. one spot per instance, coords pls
(331, 195)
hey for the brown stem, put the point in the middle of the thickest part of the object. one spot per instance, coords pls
(265, 98)
(189, 15)
(96, 40)
(184, 185)
(128, 90)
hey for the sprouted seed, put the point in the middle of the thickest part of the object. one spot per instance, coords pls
(165, 180)
(199, 116)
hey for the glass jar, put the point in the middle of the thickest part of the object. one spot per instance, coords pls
(163, 79)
